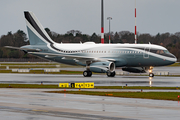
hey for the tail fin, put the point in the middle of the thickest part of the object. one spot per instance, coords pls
(36, 32)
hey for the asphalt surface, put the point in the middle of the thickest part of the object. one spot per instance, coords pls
(35, 104)
(99, 80)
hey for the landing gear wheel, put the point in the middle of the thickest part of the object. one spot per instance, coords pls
(87, 73)
(111, 74)
(151, 75)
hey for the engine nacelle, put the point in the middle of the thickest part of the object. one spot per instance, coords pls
(134, 69)
(102, 67)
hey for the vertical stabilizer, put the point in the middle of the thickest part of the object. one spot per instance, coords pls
(36, 32)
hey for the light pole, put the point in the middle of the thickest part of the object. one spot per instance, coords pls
(109, 18)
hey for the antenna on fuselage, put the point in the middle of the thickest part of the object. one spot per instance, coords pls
(135, 25)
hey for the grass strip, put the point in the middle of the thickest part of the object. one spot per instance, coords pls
(2, 85)
(136, 87)
(42, 72)
(21, 64)
(174, 65)
(34, 86)
(39, 63)
(27, 67)
(144, 95)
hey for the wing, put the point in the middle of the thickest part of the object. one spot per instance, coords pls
(74, 57)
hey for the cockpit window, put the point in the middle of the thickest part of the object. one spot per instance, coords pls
(160, 51)
(157, 51)
(166, 51)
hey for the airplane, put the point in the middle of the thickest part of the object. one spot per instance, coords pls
(98, 58)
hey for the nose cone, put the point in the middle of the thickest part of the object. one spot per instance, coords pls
(173, 59)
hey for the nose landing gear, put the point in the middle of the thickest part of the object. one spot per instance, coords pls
(151, 74)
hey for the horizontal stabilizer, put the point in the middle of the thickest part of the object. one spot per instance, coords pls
(24, 49)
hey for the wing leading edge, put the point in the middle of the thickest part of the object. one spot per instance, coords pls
(73, 57)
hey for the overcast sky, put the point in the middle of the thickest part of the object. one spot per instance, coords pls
(153, 16)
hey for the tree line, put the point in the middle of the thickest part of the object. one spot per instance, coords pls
(19, 38)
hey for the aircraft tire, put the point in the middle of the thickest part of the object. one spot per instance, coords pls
(90, 74)
(151, 75)
(87, 73)
(111, 74)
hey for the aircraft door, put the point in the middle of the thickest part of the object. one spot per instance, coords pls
(146, 52)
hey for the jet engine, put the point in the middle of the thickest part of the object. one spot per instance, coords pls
(102, 67)
(135, 69)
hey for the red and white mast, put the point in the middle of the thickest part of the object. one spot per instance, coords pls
(102, 22)
(135, 24)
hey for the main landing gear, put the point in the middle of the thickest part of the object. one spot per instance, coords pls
(87, 73)
(111, 74)
(108, 68)
(151, 74)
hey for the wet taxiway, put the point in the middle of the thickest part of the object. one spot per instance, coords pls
(99, 80)
(171, 70)
(35, 104)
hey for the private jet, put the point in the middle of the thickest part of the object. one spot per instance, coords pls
(98, 58)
